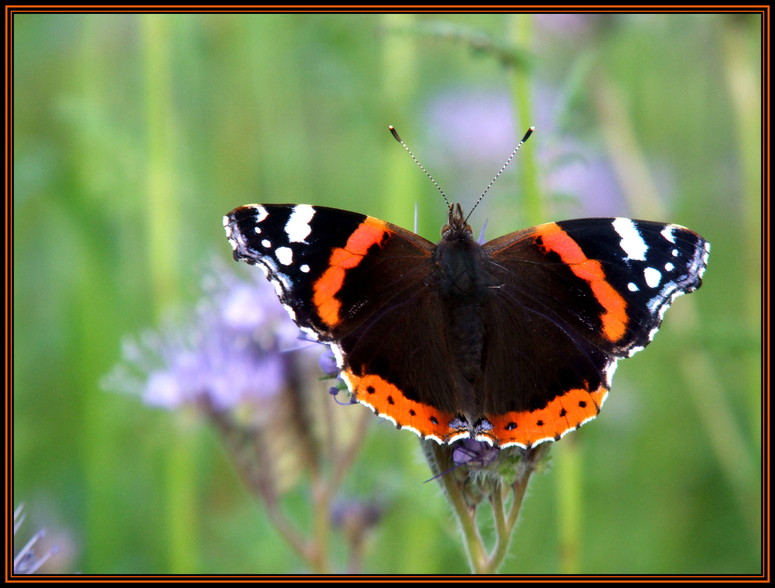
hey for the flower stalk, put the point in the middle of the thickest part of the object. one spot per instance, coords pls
(485, 473)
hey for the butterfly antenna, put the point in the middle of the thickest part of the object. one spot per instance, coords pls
(453, 468)
(395, 134)
(508, 161)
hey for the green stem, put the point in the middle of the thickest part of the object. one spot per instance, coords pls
(502, 530)
(321, 500)
(568, 468)
(164, 261)
(399, 58)
(345, 459)
(466, 516)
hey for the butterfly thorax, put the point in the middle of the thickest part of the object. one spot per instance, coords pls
(460, 275)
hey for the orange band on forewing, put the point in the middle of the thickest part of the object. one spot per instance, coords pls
(387, 401)
(370, 232)
(561, 415)
(615, 317)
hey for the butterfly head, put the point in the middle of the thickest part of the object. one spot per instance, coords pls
(456, 229)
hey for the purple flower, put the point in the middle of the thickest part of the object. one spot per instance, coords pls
(233, 352)
(327, 363)
(474, 454)
(26, 561)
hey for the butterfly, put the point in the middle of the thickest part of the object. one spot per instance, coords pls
(510, 342)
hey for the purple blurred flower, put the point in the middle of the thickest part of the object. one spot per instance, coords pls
(473, 132)
(473, 128)
(327, 363)
(26, 561)
(474, 454)
(233, 352)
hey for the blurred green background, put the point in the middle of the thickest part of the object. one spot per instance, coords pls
(134, 134)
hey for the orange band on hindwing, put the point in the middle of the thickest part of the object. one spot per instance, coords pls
(564, 413)
(387, 401)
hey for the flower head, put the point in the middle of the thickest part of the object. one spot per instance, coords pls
(26, 560)
(242, 363)
(235, 350)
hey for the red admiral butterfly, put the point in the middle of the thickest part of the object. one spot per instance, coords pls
(513, 342)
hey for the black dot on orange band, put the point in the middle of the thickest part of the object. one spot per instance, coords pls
(411, 412)
(370, 389)
(583, 404)
(434, 421)
(390, 400)
(511, 426)
(563, 413)
(540, 423)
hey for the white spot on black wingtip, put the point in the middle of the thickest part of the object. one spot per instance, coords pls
(284, 255)
(297, 228)
(632, 287)
(667, 233)
(304, 268)
(653, 277)
(631, 240)
(261, 213)
(266, 243)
